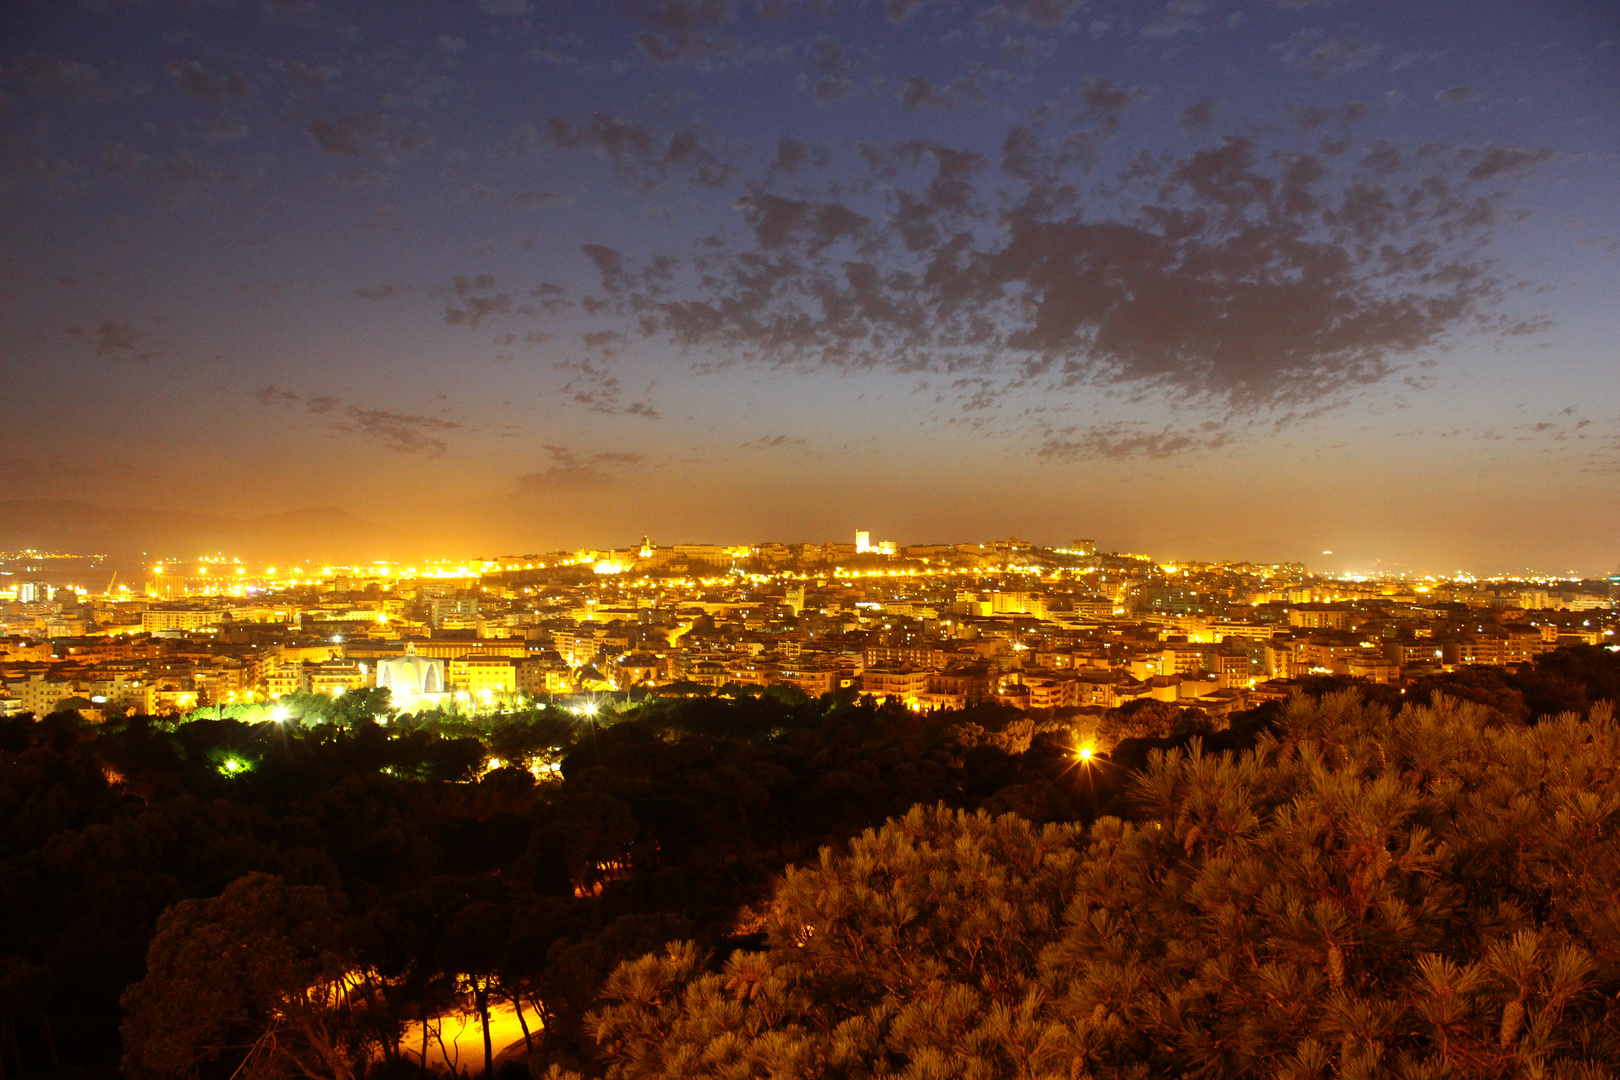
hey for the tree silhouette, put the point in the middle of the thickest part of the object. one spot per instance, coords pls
(254, 979)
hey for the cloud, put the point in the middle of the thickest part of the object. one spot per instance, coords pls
(683, 31)
(71, 79)
(780, 222)
(1457, 96)
(571, 470)
(1176, 17)
(771, 442)
(399, 432)
(474, 302)
(184, 168)
(901, 11)
(365, 134)
(1322, 55)
(271, 395)
(1493, 161)
(381, 292)
(793, 155)
(306, 13)
(1244, 275)
(121, 158)
(532, 200)
(305, 76)
(1042, 13)
(1199, 115)
(640, 158)
(833, 88)
(190, 77)
(121, 340)
(1129, 440)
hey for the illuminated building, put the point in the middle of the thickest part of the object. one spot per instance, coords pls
(179, 619)
(410, 675)
(336, 676)
(904, 682)
(478, 674)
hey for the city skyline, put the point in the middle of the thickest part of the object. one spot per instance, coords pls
(1209, 280)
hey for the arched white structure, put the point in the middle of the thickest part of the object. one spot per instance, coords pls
(411, 675)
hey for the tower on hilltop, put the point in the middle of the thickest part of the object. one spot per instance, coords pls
(863, 543)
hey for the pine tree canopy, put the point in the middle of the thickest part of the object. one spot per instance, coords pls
(1433, 893)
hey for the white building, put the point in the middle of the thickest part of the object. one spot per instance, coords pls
(410, 675)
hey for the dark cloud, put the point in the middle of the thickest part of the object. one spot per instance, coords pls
(271, 395)
(571, 470)
(365, 134)
(771, 442)
(1457, 96)
(305, 13)
(274, 395)
(640, 158)
(539, 200)
(793, 155)
(1492, 161)
(1199, 115)
(185, 168)
(1045, 13)
(401, 433)
(780, 222)
(900, 11)
(302, 75)
(833, 88)
(190, 77)
(475, 302)
(1322, 55)
(1176, 17)
(398, 432)
(69, 79)
(122, 340)
(381, 292)
(685, 31)
(1131, 440)
(916, 92)
(121, 158)
(1247, 276)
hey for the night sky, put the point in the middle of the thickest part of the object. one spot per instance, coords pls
(1205, 279)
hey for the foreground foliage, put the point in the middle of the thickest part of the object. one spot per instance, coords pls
(1430, 893)
(445, 868)
(262, 899)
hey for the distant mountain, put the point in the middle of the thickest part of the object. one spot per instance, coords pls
(124, 533)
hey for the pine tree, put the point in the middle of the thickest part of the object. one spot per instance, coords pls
(1428, 894)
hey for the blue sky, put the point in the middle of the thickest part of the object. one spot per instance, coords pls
(1215, 279)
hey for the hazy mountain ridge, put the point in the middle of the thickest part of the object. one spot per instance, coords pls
(129, 532)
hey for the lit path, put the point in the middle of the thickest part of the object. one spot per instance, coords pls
(456, 1040)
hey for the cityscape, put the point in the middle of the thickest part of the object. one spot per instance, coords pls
(810, 540)
(1068, 632)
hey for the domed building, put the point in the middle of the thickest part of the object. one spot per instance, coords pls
(411, 676)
